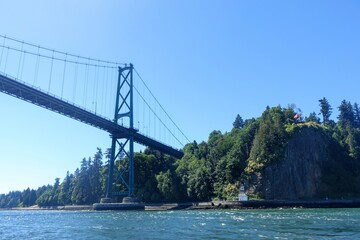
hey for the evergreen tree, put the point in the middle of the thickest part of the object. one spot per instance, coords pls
(325, 110)
(55, 192)
(289, 113)
(10, 200)
(269, 140)
(50, 196)
(95, 177)
(312, 118)
(75, 187)
(239, 122)
(346, 114)
(28, 198)
(356, 115)
(65, 190)
(214, 168)
(82, 189)
(353, 142)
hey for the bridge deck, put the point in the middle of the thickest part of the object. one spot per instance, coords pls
(36, 96)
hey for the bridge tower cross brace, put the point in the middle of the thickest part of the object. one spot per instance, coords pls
(123, 109)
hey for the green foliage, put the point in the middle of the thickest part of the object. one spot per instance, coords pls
(156, 179)
(64, 197)
(239, 122)
(28, 198)
(194, 171)
(312, 118)
(292, 129)
(325, 110)
(289, 113)
(346, 116)
(82, 191)
(356, 115)
(50, 196)
(199, 182)
(146, 168)
(340, 178)
(255, 196)
(82, 187)
(208, 168)
(215, 168)
(10, 200)
(167, 186)
(231, 191)
(270, 140)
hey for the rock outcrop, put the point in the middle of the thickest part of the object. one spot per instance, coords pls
(300, 174)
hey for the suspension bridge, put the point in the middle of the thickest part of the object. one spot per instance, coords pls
(110, 96)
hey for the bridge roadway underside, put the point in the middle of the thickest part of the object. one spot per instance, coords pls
(28, 93)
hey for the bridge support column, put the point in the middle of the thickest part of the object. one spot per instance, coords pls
(121, 166)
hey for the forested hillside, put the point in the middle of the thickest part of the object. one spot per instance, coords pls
(279, 155)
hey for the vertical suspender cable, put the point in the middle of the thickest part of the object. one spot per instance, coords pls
(103, 109)
(112, 92)
(149, 117)
(106, 82)
(94, 99)
(75, 79)
(160, 125)
(63, 80)
(21, 56)
(37, 66)
(97, 87)
(86, 83)
(137, 106)
(22, 65)
(7, 54)
(165, 132)
(51, 69)
(2, 51)
(155, 120)
(143, 115)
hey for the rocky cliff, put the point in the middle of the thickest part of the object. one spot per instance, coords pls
(304, 171)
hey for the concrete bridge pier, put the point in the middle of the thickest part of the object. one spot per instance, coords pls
(128, 203)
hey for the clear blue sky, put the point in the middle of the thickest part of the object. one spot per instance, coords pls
(206, 61)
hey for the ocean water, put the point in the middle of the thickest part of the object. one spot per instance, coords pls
(195, 224)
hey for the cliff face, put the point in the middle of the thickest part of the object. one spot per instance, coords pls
(299, 174)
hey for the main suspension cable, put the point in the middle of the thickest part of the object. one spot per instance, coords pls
(161, 105)
(60, 52)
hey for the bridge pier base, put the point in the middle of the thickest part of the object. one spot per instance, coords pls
(128, 203)
(118, 206)
(126, 200)
(131, 200)
(106, 200)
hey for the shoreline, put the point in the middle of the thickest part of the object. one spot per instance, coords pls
(257, 204)
(253, 204)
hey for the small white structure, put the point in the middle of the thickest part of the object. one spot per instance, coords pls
(242, 195)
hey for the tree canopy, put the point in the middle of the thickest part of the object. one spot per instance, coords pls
(325, 110)
(211, 169)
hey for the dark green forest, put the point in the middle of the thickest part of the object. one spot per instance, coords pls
(214, 169)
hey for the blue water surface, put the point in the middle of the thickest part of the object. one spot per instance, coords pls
(195, 224)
